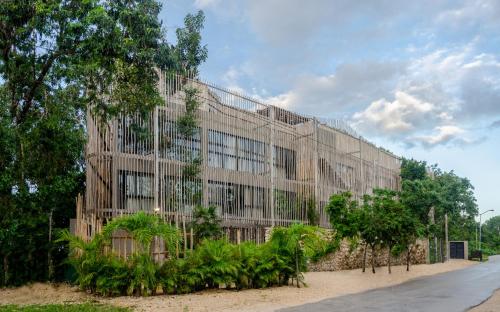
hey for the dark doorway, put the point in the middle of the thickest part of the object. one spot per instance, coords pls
(457, 250)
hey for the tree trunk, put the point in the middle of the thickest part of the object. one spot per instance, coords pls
(408, 249)
(49, 252)
(364, 257)
(389, 259)
(297, 266)
(373, 259)
(5, 270)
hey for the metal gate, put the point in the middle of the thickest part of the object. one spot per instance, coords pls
(457, 250)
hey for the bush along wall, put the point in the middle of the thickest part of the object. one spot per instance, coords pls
(214, 263)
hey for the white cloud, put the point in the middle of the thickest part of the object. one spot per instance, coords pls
(204, 4)
(403, 115)
(400, 75)
(230, 76)
(351, 87)
(471, 13)
(421, 101)
(444, 135)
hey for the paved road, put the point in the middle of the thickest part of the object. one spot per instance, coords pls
(452, 291)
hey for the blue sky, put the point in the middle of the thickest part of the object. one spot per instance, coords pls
(421, 79)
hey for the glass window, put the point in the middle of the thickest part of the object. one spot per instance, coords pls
(130, 186)
(230, 162)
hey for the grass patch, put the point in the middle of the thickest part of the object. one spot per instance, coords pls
(84, 307)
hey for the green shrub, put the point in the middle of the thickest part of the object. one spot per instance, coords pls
(217, 263)
(206, 224)
(112, 277)
(143, 277)
(249, 255)
(296, 244)
(212, 264)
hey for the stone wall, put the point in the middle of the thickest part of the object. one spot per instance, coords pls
(346, 259)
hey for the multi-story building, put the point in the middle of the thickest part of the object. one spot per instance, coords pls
(260, 165)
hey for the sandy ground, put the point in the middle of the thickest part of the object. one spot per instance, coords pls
(491, 305)
(321, 285)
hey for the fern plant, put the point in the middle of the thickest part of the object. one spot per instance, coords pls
(217, 264)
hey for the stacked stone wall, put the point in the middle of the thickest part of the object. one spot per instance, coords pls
(348, 258)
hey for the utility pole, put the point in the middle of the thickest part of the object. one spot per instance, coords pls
(480, 227)
(446, 237)
(477, 247)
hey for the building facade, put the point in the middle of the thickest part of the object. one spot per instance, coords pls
(260, 165)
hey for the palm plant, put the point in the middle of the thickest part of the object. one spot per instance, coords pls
(85, 257)
(143, 278)
(248, 254)
(144, 227)
(217, 264)
(212, 264)
(206, 224)
(181, 276)
(273, 267)
(112, 276)
(298, 243)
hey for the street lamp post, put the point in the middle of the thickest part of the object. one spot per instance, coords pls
(480, 227)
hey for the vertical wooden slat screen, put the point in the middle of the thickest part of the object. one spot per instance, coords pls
(260, 163)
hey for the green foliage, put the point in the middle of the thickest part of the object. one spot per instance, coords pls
(187, 125)
(104, 273)
(430, 198)
(343, 214)
(60, 58)
(420, 196)
(327, 248)
(84, 307)
(142, 275)
(217, 263)
(206, 224)
(413, 170)
(249, 255)
(490, 243)
(382, 220)
(214, 263)
(297, 243)
(390, 214)
(189, 52)
(144, 227)
(192, 169)
(312, 212)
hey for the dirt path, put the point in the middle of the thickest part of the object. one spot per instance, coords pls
(321, 285)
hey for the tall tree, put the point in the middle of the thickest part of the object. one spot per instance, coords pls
(442, 193)
(57, 60)
(491, 235)
(412, 169)
(370, 221)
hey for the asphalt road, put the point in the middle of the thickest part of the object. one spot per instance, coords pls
(452, 291)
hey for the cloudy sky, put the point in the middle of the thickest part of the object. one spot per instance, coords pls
(421, 79)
